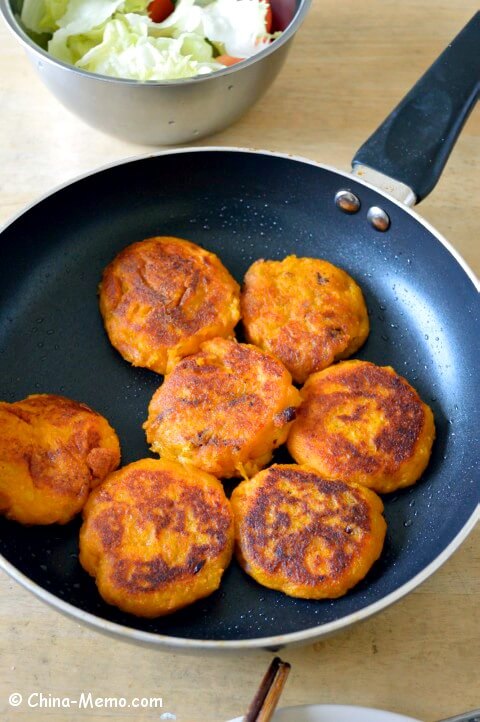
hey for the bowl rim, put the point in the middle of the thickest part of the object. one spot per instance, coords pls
(6, 11)
(334, 712)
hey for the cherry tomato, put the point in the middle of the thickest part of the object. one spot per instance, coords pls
(268, 19)
(228, 59)
(159, 10)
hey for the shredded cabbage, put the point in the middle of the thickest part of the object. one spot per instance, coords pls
(119, 39)
(125, 53)
(135, 6)
(54, 10)
(33, 12)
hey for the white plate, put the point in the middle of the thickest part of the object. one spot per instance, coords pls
(334, 713)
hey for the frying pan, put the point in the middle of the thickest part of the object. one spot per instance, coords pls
(242, 205)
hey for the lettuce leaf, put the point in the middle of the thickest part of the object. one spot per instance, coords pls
(135, 6)
(79, 45)
(32, 14)
(85, 15)
(54, 10)
(128, 51)
(81, 18)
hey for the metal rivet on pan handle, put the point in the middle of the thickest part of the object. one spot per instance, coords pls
(378, 218)
(347, 201)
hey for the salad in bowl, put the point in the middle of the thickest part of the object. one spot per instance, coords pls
(150, 39)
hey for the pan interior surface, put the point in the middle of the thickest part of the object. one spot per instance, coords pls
(243, 206)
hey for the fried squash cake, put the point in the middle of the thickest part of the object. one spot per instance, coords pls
(305, 311)
(305, 535)
(363, 423)
(156, 536)
(223, 409)
(160, 298)
(53, 451)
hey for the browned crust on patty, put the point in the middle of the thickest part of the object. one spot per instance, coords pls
(53, 450)
(157, 536)
(305, 311)
(161, 297)
(306, 535)
(223, 409)
(364, 423)
(153, 506)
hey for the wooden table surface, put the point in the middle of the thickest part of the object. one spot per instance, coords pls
(351, 62)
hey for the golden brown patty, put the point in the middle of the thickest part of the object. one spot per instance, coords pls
(305, 311)
(304, 535)
(52, 452)
(160, 298)
(157, 536)
(223, 409)
(363, 423)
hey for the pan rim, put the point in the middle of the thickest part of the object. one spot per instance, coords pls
(253, 151)
(312, 633)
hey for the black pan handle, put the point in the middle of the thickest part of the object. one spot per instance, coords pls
(413, 144)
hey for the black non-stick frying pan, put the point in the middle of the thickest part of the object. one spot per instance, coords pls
(243, 205)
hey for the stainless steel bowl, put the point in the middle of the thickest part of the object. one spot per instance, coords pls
(168, 112)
